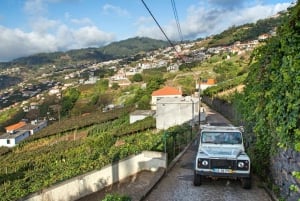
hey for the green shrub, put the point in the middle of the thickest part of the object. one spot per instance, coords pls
(116, 197)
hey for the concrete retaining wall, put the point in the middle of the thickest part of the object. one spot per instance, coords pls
(83, 185)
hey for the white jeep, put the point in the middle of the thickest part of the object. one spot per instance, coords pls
(221, 154)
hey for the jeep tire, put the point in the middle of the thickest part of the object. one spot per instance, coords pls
(246, 182)
(197, 179)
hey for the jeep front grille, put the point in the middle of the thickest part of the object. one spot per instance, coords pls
(206, 163)
(223, 164)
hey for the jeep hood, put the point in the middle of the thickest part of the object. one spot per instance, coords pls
(222, 152)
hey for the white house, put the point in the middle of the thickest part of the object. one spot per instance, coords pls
(165, 92)
(140, 115)
(34, 126)
(172, 111)
(19, 131)
(12, 139)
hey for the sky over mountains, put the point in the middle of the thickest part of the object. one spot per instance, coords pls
(32, 26)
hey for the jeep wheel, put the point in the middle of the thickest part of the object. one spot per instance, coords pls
(246, 183)
(197, 179)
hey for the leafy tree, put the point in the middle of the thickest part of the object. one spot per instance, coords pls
(69, 98)
(32, 114)
(227, 70)
(105, 99)
(154, 83)
(188, 85)
(143, 103)
(115, 86)
(94, 99)
(142, 97)
(137, 77)
(101, 86)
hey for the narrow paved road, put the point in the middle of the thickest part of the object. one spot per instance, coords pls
(177, 185)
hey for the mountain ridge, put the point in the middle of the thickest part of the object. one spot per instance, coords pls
(114, 50)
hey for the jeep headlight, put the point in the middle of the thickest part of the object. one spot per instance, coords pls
(204, 163)
(241, 164)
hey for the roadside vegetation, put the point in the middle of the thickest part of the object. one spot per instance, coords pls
(269, 103)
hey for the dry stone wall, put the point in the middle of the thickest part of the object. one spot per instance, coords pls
(283, 164)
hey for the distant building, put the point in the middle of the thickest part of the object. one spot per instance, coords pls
(204, 84)
(54, 91)
(12, 139)
(14, 127)
(140, 115)
(34, 126)
(164, 93)
(20, 131)
(263, 37)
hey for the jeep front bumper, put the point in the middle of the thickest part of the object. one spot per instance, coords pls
(223, 173)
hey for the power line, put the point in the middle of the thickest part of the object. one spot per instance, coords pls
(177, 20)
(161, 29)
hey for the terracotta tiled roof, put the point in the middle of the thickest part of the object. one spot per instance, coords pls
(166, 91)
(209, 82)
(15, 126)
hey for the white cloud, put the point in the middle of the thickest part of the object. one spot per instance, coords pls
(227, 3)
(110, 9)
(35, 7)
(202, 21)
(82, 21)
(17, 43)
(91, 36)
(49, 35)
(143, 20)
(43, 25)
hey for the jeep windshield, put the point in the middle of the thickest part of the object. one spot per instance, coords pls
(221, 137)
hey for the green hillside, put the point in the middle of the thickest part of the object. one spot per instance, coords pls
(132, 46)
(246, 32)
(115, 50)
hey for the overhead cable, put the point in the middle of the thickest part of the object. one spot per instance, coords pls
(177, 20)
(161, 29)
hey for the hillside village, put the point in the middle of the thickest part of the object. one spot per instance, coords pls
(29, 96)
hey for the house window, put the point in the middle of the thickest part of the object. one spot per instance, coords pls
(8, 142)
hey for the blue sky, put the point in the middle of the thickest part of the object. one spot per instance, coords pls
(32, 26)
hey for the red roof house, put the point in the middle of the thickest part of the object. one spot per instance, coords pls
(12, 128)
(166, 91)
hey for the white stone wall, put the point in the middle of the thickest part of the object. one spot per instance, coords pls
(83, 185)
